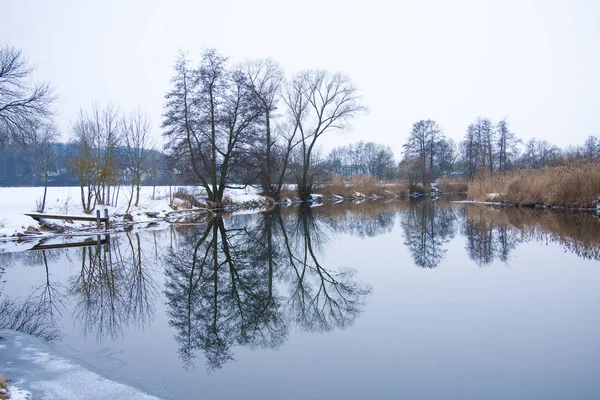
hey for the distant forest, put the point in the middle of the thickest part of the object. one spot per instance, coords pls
(18, 166)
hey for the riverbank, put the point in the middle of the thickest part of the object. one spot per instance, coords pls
(157, 207)
(575, 186)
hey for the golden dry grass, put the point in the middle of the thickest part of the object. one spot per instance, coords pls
(571, 186)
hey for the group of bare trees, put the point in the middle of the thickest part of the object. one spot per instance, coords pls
(101, 136)
(244, 124)
(489, 146)
(363, 158)
(428, 154)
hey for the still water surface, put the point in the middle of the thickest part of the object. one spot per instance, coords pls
(422, 300)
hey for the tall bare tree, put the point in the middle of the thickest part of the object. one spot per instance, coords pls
(506, 143)
(24, 105)
(319, 102)
(422, 145)
(265, 78)
(210, 118)
(43, 147)
(139, 144)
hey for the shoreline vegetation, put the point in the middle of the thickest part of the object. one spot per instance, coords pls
(571, 186)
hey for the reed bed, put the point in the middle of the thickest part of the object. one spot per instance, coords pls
(570, 186)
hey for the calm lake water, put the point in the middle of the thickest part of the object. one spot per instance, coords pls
(421, 300)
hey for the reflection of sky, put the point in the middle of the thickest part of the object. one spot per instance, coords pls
(522, 330)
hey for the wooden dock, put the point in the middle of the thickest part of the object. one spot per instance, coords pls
(98, 219)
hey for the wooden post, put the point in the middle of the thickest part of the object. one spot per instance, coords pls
(106, 218)
(98, 219)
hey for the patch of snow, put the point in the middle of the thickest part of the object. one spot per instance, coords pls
(49, 375)
(16, 393)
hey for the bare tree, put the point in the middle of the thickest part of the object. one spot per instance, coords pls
(83, 162)
(422, 145)
(320, 102)
(591, 147)
(506, 143)
(138, 147)
(210, 118)
(42, 145)
(23, 105)
(264, 79)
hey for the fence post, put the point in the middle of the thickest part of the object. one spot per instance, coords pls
(98, 219)
(106, 219)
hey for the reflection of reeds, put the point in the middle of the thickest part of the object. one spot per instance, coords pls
(575, 185)
(576, 232)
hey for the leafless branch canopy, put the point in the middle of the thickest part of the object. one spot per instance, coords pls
(23, 104)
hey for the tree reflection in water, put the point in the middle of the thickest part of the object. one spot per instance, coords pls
(36, 315)
(427, 228)
(493, 233)
(250, 280)
(230, 285)
(114, 288)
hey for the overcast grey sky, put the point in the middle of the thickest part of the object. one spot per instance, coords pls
(535, 62)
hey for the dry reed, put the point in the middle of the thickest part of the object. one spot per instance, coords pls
(571, 186)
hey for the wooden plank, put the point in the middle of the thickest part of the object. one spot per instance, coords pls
(69, 245)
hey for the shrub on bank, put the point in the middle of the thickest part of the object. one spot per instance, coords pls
(453, 185)
(572, 186)
(362, 185)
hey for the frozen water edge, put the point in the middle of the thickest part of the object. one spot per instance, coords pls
(40, 372)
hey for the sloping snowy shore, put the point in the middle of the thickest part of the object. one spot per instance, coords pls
(39, 372)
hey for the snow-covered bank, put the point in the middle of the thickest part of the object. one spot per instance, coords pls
(38, 372)
(163, 206)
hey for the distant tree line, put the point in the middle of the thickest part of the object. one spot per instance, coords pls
(486, 146)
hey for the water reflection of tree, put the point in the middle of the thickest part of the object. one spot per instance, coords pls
(368, 219)
(223, 287)
(36, 315)
(427, 227)
(494, 233)
(114, 288)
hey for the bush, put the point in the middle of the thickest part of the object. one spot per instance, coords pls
(188, 199)
(453, 185)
